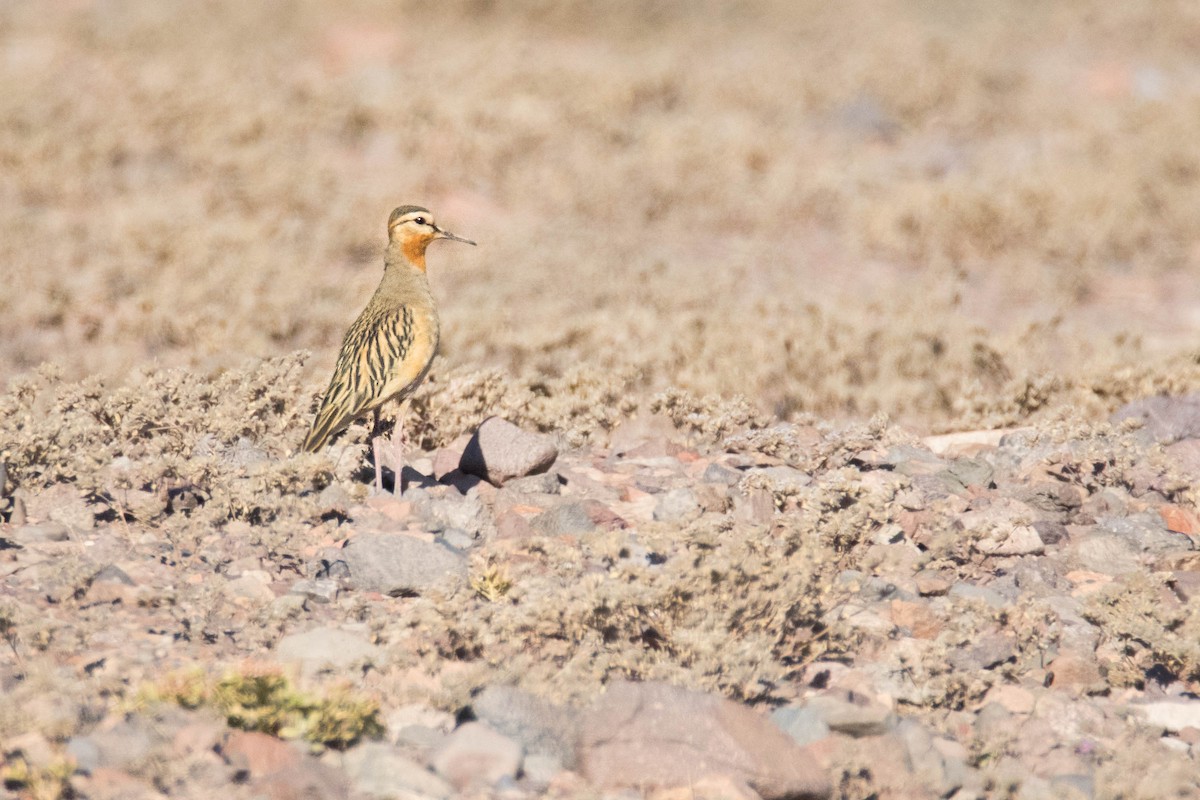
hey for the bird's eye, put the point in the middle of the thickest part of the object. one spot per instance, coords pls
(419, 220)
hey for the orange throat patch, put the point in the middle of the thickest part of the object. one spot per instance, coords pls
(414, 251)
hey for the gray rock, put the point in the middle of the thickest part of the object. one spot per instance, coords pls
(677, 505)
(969, 591)
(509, 497)
(85, 752)
(420, 738)
(1033, 577)
(803, 724)
(1164, 419)
(1104, 553)
(452, 511)
(545, 483)
(458, 539)
(1170, 715)
(112, 574)
(382, 771)
(333, 568)
(334, 647)
(1109, 502)
(971, 471)
(781, 478)
(646, 735)
(127, 743)
(537, 724)
(334, 498)
(911, 460)
(1051, 532)
(986, 652)
(62, 503)
(872, 588)
(852, 719)
(1145, 532)
(475, 756)
(40, 533)
(1077, 632)
(399, 565)
(1073, 787)
(937, 771)
(569, 519)
(721, 475)
(540, 769)
(500, 451)
(319, 591)
(1053, 497)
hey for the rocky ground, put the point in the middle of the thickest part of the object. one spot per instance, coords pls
(696, 608)
(810, 321)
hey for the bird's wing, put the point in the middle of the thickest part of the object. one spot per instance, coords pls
(380, 358)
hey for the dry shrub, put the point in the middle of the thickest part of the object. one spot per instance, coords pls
(736, 609)
(1146, 631)
(579, 407)
(212, 447)
(728, 606)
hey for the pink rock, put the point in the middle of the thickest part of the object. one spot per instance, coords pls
(1077, 674)
(199, 736)
(712, 787)
(1021, 540)
(259, 753)
(307, 780)
(511, 525)
(476, 756)
(447, 459)
(278, 770)
(1186, 585)
(1014, 699)
(1179, 519)
(645, 435)
(603, 516)
(917, 618)
(391, 507)
(756, 506)
(932, 585)
(652, 735)
(108, 783)
(965, 444)
(1186, 456)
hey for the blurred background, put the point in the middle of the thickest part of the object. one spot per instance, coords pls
(958, 213)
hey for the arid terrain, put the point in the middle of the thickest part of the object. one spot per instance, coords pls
(863, 336)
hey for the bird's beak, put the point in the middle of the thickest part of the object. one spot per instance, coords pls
(441, 234)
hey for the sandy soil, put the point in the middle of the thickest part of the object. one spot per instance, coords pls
(918, 217)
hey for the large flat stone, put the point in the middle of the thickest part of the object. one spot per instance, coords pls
(648, 735)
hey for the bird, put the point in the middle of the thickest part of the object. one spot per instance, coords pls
(388, 350)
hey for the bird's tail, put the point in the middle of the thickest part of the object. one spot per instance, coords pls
(323, 429)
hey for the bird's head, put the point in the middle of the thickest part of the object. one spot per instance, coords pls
(411, 229)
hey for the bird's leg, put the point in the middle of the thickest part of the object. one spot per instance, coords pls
(399, 446)
(377, 451)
